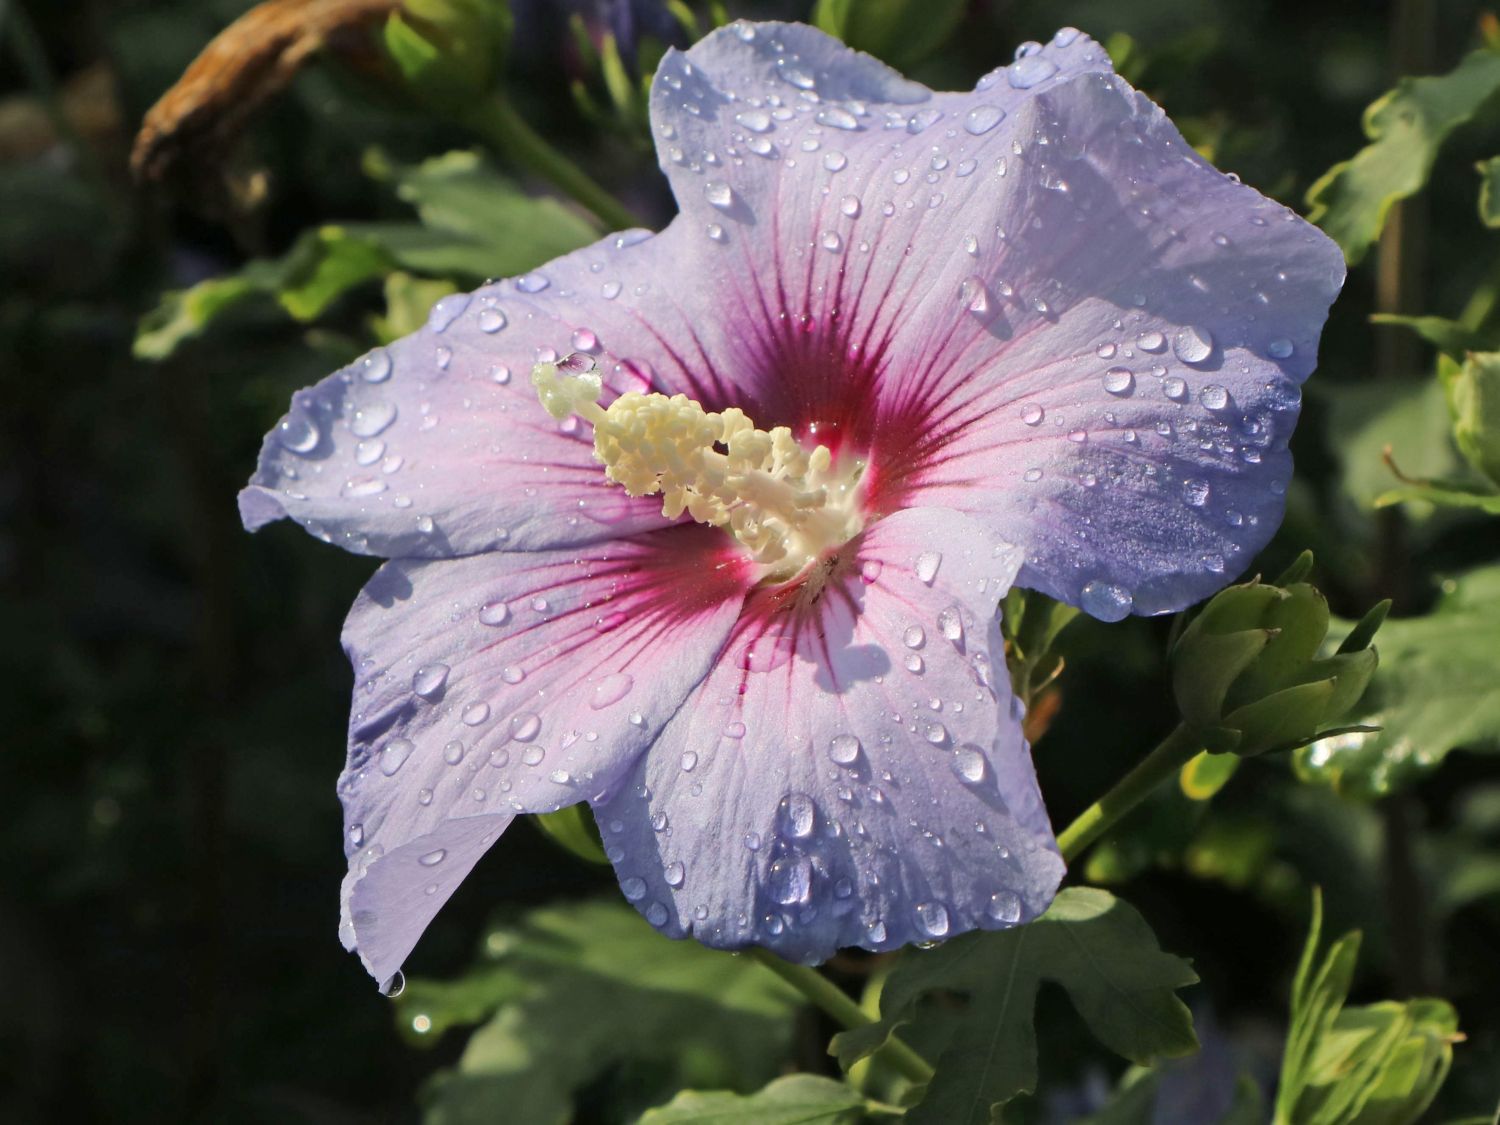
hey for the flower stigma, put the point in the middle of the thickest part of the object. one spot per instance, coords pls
(789, 507)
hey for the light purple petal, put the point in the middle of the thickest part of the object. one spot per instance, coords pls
(505, 683)
(1032, 302)
(853, 772)
(436, 446)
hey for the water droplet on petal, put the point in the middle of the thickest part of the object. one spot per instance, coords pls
(1119, 381)
(1214, 397)
(532, 282)
(927, 565)
(1029, 71)
(719, 194)
(1193, 345)
(835, 161)
(494, 613)
(491, 320)
(837, 117)
(453, 752)
(446, 311)
(1195, 492)
(951, 624)
(475, 714)
(376, 367)
(1032, 414)
(394, 756)
(429, 680)
(371, 419)
(297, 432)
(432, 859)
(914, 637)
(843, 750)
(795, 815)
(1005, 906)
(525, 726)
(674, 874)
(982, 118)
(790, 880)
(634, 888)
(756, 120)
(610, 690)
(1279, 349)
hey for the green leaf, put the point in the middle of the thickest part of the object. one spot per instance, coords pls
(1473, 390)
(572, 829)
(1489, 198)
(901, 32)
(1451, 496)
(1406, 126)
(797, 1099)
(1447, 336)
(1436, 691)
(572, 993)
(1206, 774)
(408, 300)
(1092, 944)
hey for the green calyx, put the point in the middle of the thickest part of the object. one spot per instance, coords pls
(1247, 673)
(449, 52)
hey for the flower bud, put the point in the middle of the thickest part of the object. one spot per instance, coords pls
(1246, 671)
(448, 51)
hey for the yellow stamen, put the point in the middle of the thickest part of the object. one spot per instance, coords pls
(786, 505)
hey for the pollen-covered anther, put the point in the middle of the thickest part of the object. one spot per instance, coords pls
(787, 505)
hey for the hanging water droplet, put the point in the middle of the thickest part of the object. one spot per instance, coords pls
(1005, 906)
(933, 918)
(429, 680)
(1106, 601)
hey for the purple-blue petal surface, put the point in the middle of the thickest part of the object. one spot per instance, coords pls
(852, 772)
(505, 683)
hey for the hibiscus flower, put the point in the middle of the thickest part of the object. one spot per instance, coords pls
(899, 350)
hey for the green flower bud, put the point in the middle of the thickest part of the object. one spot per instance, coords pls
(449, 51)
(1246, 671)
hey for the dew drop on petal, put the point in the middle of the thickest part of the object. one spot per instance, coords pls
(689, 761)
(433, 858)
(1174, 388)
(756, 120)
(982, 118)
(837, 117)
(494, 613)
(1279, 349)
(532, 282)
(371, 419)
(1193, 345)
(1025, 73)
(869, 571)
(376, 367)
(790, 880)
(525, 726)
(719, 194)
(475, 714)
(1119, 381)
(843, 750)
(446, 311)
(453, 752)
(298, 433)
(1032, 414)
(951, 625)
(1195, 492)
(1214, 397)
(491, 320)
(610, 690)
(795, 816)
(512, 674)
(835, 161)
(850, 205)
(674, 874)
(968, 764)
(394, 756)
(914, 636)
(634, 888)
(927, 565)
(429, 680)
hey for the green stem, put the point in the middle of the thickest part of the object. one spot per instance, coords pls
(1174, 752)
(842, 1009)
(497, 120)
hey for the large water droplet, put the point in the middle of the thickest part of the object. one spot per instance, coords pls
(1106, 601)
(795, 815)
(610, 690)
(933, 918)
(674, 874)
(372, 418)
(843, 750)
(1119, 381)
(1193, 345)
(634, 887)
(790, 880)
(475, 714)
(1214, 397)
(1032, 414)
(927, 565)
(1195, 492)
(376, 367)
(1005, 906)
(1029, 71)
(532, 282)
(968, 763)
(982, 118)
(446, 311)
(914, 636)
(297, 432)
(394, 756)
(494, 613)
(525, 726)
(1279, 349)
(429, 680)
(491, 320)
(433, 858)
(756, 120)
(951, 624)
